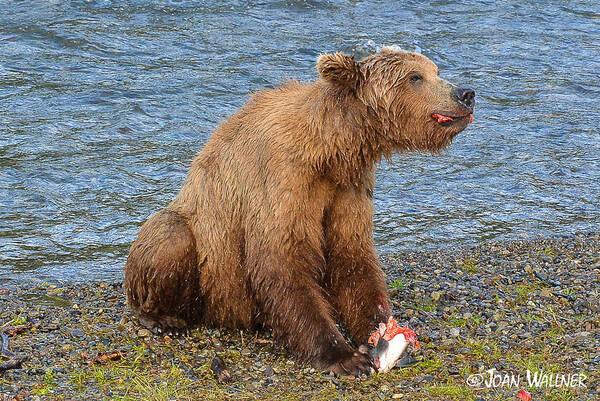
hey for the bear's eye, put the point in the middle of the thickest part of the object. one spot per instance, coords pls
(415, 78)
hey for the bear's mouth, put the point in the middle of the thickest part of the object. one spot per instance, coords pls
(447, 119)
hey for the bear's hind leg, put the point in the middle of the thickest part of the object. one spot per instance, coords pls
(162, 274)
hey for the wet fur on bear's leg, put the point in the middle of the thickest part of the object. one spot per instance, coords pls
(353, 277)
(162, 274)
(286, 272)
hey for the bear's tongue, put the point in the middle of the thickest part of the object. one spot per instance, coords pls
(441, 118)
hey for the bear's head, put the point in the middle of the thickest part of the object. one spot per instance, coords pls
(403, 96)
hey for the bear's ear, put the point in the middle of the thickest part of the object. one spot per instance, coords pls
(339, 68)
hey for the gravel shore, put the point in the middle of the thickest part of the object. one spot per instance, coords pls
(527, 307)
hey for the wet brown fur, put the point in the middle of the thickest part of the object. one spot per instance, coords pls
(273, 225)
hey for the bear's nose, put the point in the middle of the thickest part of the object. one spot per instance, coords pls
(465, 96)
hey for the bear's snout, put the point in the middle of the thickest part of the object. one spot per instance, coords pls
(465, 96)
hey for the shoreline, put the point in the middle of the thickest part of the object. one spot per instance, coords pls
(30, 278)
(514, 306)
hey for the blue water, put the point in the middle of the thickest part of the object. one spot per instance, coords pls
(103, 105)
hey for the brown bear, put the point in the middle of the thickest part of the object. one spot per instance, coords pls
(273, 225)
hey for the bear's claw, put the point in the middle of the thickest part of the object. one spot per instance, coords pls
(162, 329)
(352, 363)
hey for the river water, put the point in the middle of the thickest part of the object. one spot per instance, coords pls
(103, 105)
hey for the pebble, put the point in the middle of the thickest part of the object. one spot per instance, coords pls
(77, 333)
(143, 333)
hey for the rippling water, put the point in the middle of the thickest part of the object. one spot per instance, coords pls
(103, 105)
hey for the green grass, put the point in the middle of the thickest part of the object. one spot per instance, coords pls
(531, 317)
(429, 306)
(172, 385)
(469, 265)
(548, 251)
(457, 322)
(399, 283)
(484, 350)
(560, 394)
(426, 366)
(450, 391)
(47, 384)
(126, 377)
(523, 291)
(18, 320)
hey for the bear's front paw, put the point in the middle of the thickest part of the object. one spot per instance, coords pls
(349, 362)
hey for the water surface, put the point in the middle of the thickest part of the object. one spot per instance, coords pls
(103, 105)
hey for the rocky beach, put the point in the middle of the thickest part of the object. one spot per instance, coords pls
(492, 320)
